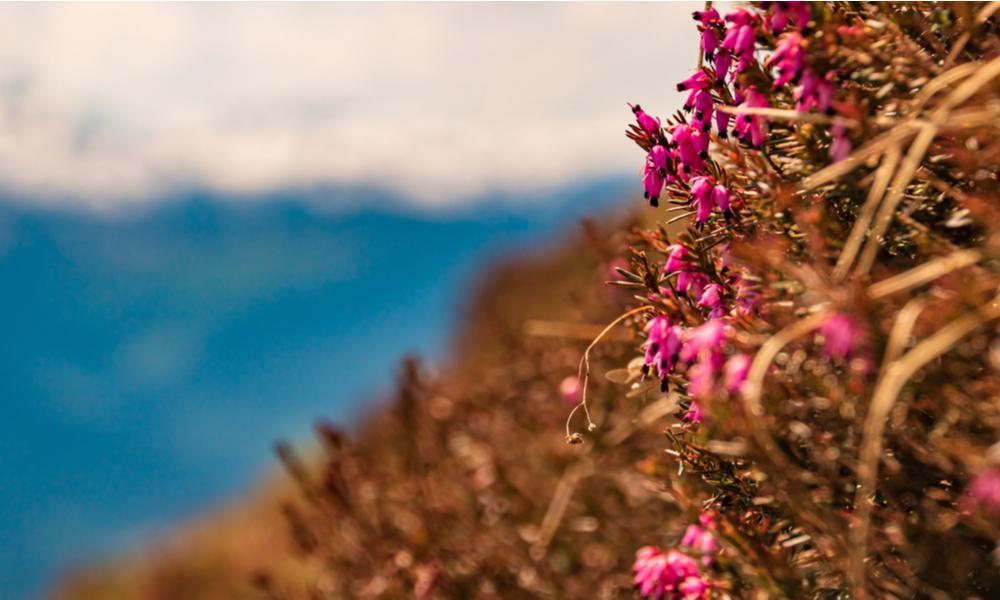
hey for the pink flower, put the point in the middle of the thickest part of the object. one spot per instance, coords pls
(571, 390)
(694, 413)
(650, 125)
(788, 57)
(814, 92)
(707, 195)
(706, 17)
(704, 107)
(842, 336)
(709, 43)
(711, 298)
(840, 146)
(701, 540)
(984, 492)
(781, 13)
(697, 81)
(704, 340)
(691, 283)
(735, 372)
(663, 343)
(667, 575)
(752, 128)
(679, 259)
(652, 182)
(691, 144)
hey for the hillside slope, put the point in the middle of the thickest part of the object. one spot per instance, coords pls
(462, 484)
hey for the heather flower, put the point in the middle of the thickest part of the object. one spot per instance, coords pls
(788, 57)
(701, 540)
(679, 259)
(781, 13)
(739, 41)
(652, 181)
(667, 575)
(707, 16)
(571, 390)
(735, 372)
(658, 158)
(704, 107)
(697, 81)
(691, 144)
(691, 283)
(752, 128)
(840, 146)
(842, 336)
(651, 125)
(662, 346)
(707, 195)
(711, 298)
(694, 413)
(704, 340)
(984, 492)
(813, 92)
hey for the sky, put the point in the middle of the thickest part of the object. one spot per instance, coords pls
(221, 221)
(119, 103)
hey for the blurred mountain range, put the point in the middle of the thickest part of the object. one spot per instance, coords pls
(150, 359)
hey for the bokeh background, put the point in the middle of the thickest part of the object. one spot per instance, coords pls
(218, 222)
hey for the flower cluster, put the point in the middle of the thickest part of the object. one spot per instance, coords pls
(676, 574)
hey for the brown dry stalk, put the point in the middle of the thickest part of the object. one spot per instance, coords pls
(875, 195)
(895, 193)
(571, 477)
(755, 382)
(894, 376)
(925, 273)
(583, 373)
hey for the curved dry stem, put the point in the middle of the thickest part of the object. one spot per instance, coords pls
(894, 138)
(583, 373)
(875, 195)
(902, 327)
(895, 194)
(925, 273)
(755, 381)
(894, 376)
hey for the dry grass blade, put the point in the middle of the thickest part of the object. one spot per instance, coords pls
(875, 194)
(894, 138)
(925, 273)
(894, 376)
(899, 183)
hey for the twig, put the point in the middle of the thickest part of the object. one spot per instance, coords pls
(894, 376)
(927, 272)
(584, 371)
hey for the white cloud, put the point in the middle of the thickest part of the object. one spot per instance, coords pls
(115, 103)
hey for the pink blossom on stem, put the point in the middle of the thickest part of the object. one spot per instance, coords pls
(752, 128)
(842, 336)
(679, 259)
(840, 146)
(984, 493)
(662, 346)
(697, 81)
(711, 298)
(652, 181)
(691, 283)
(649, 124)
(735, 373)
(780, 13)
(571, 390)
(662, 575)
(813, 92)
(789, 58)
(701, 540)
